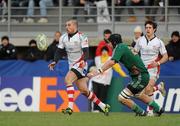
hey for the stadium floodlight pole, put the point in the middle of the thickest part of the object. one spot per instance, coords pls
(113, 21)
(60, 15)
(9, 18)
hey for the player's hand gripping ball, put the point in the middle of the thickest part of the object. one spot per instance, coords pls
(42, 43)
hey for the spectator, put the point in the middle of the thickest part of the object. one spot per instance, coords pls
(137, 34)
(173, 47)
(52, 47)
(87, 10)
(78, 4)
(133, 3)
(102, 11)
(20, 11)
(18, 3)
(3, 10)
(33, 53)
(14, 11)
(154, 10)
(43, 10)
(56, 2)
(7, 50)
(101, 82)
(118, 10)
(175, 3)
(162, 3)
(68, 2)
(90, 9)
(104, 42)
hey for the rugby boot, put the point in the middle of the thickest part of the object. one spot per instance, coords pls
(67, 111)
(162, 89)
(160, 112)
(106, 110)
(141, 114)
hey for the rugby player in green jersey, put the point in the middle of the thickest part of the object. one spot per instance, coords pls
(138, 73)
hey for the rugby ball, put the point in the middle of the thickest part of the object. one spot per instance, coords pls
(42, 43)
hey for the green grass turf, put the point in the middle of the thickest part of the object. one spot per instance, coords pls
(85, 119)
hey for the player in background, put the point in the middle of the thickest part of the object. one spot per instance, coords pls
(138, 73)
(77, 48)
(150, 47)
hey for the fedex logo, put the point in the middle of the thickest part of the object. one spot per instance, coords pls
(38, 98)
(172, 100)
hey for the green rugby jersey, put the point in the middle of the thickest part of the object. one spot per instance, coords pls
(131, 61)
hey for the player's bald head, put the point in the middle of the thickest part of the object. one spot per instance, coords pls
(74, 22)
(71, 26)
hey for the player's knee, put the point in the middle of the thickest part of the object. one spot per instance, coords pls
(148, 90)
(123, 97)
(67, 81)
(84, 92)
(120, 99)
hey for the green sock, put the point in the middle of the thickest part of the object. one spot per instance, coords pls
(137, 109)
(155, 106)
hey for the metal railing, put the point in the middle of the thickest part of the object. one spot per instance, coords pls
(59, 15)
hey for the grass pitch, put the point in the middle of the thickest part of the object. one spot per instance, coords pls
(85, 119)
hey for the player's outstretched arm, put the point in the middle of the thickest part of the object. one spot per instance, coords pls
(52, 65)
(57, 56)
(106, 66)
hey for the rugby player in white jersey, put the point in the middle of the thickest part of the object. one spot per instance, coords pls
(76, 45)
(153, 54)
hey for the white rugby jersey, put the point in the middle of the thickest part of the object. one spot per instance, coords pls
(73, 46)
(150, 50)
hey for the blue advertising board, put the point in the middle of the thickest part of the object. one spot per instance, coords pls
(30, 86)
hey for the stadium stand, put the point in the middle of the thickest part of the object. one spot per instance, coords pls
(21, 33)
